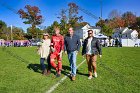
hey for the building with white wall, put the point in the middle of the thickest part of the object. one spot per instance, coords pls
(126, 36)
(81, 31)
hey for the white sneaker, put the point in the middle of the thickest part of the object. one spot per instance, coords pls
(95, 75)
(90, 77)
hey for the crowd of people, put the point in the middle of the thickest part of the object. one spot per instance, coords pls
(111, 42)
(51, 49)
(15, 43)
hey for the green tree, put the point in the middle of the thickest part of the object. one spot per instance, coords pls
(3, 27)
(2, 24)
(50, 30)
(18, 33)
(64, 27)
(106, 29)
(36, 34)
(6, 33)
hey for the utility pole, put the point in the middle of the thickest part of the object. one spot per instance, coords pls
(101, 8)
(101, 15)
(11, 33)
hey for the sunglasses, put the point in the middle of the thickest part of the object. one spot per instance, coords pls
(89, 33)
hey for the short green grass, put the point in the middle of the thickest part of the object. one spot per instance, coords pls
(118, 72)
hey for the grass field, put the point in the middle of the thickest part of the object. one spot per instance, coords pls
(118, 72)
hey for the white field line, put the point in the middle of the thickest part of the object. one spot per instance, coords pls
(60, 81)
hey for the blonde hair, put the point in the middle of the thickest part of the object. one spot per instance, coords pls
(56, 28)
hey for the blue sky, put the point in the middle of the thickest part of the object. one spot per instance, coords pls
(49, 9)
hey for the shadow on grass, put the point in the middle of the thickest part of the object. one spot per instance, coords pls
(34, 67)
(37, 68)
(64, 67)
(83, 74)
(66, 71)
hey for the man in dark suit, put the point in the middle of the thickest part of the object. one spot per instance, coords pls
(91, 48)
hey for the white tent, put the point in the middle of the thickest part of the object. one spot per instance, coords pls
(100, 36)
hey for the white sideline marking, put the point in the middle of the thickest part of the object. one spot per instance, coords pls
(60, 81)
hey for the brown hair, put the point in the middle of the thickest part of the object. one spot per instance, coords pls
(90, 30)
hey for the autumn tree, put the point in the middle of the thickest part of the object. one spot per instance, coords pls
(129, 18)
(115, 19)
(116, 23)
(69, 17)
(31, 15)
(74, 19)
(136, 25)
